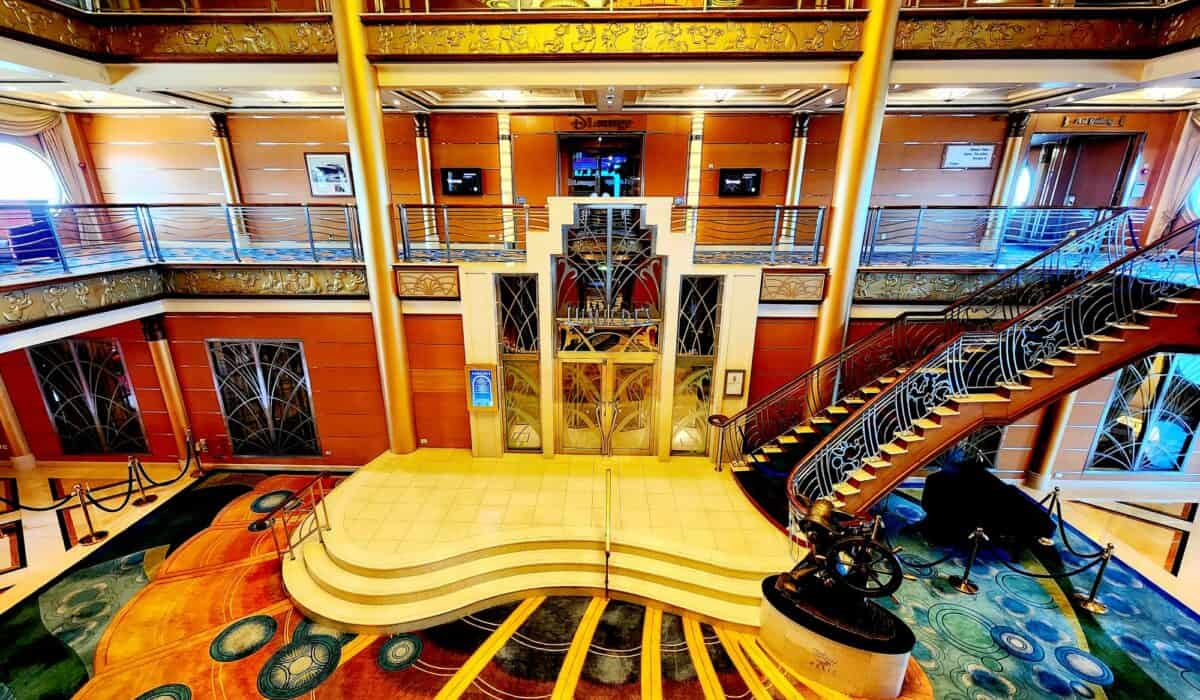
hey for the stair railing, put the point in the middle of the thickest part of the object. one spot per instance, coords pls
(981, 361)
(912, 335)
(292, 515)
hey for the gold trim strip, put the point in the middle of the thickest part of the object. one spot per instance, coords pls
(709, 682)
(777, 677)
(742, 664)
(568, 675)
(652, 654)
(475, 665)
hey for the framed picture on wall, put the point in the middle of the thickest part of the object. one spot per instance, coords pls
(735, 382)
(329, 174)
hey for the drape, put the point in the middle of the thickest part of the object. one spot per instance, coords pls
(1173, 205)
(60, 151)
(24, 121)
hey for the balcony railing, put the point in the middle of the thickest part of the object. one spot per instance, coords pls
(469, 233)
(39, 241)
(754, 234)
(991, 237)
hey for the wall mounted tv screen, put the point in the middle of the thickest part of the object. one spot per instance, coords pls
(740, 182)
(462, 181)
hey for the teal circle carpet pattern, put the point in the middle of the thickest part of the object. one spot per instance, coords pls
(1020, 637)
(174, 691)
(242, 638)
(270, 501)
(399, 652)
(299, 667)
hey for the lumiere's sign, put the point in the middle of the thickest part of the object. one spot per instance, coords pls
(582, 123)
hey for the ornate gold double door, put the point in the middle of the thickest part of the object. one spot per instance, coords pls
(606, 405)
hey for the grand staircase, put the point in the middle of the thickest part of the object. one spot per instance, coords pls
(850, 429)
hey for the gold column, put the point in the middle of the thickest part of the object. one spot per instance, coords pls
(364, 124)
(229, 180)
(155, 332)
(799, 148)
(22, 456)
(1010, 161)
(425, 174)
(858, 148)
(1049, 438)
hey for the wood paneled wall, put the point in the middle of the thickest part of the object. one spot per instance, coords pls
(158, 159)
(437, 363)
(746, 141)
(268, 151)
(343, 374)
(39, 429)
(909, 170)
(535, 153)
(782, 350)
(400, 139)
(466, 141)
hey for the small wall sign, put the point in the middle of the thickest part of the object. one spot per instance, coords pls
(582, 123)
(1096, 122)
(735, 382)
(968, 155)
(481, 387)
(329, 174)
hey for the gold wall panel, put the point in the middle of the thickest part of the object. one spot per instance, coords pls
(31, 304)
(263, 281)
(791, 286)
(226, 39)
(414, 282)
(75, 32)
(918, 286)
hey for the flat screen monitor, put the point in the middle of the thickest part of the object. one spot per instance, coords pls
(462, 181)
(740, 182)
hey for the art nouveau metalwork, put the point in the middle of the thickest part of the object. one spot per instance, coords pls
(517, 313)
(912, 336)
(632, 408)
(699, 315)
(522, 404)
(691, 405)
(263, 389)
(1152, 415)
(582, 426)
(89, 396)
(1103, 292)
(516, 296)
(608, 282)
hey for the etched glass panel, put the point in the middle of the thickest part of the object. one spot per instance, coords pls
(522, 405)
(517, 297)
(1152, 415)
(633, 394)
(692, 401)
(582, 395)
(699, 316)
(88, 396)
(264, 394)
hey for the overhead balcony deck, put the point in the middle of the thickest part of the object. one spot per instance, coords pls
(193, 30)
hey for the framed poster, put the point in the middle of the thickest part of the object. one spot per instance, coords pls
(329, 174)
(735, 382)
(481, 387)
(968, 155)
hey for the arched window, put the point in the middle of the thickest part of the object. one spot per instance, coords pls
(27, 177)
(1023, 188)
(1193, 201)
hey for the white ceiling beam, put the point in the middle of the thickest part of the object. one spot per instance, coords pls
(182, 77)
(56, 64)
(1016, 71)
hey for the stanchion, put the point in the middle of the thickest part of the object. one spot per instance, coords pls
(93, 535)
(143, 499)
(963, 584)
(1051, 508)
(1088, 602)
(194, 449)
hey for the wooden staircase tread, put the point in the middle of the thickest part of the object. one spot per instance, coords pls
(854, 401)
(1101, 338)
(943, 411)
(889, 448)
(804, 430)
(845, 489)
(787, 439)
(926, 424)
(1125, 326)
(772, 450)
(1151, 313)
(819, 419)
(862, 476)
(837, 410)
(1014, 386)
(1036, 374)
(909, 436)
(877, 463)
(870, 390)
(1057, 362)
(984, 397)
(1077, 350)
(1182, 300)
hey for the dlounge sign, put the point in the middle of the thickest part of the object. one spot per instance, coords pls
(582, 123)
(1102, 122)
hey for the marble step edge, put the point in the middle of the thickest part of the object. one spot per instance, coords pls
(319, 604)
(353, 556)
(346, 585)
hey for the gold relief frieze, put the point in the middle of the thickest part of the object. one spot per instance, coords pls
(917, 286)
(31, 304)
(614, 37)
(224, 39)
(414, 282)
(1182, 27)
(1030, 33)
(51, 25)
(261, 281)
(791, 286)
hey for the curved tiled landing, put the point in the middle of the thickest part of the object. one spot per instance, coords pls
(420, 539)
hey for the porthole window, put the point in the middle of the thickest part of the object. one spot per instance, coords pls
(27, 177)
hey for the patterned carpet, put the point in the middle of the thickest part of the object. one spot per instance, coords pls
(1020, 637)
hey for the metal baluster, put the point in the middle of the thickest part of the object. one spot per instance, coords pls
(312, 245)
(874, 216)
(405, 244)
(232, 233)
(446, 227)
(138, 213)
(526, 225)
(917, 235)
(818, 231)
(775, 232)
(62, 254)
(1000, 236)
(350, 215)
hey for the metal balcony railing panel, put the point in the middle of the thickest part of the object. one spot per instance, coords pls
(39, 241)
(467, 233)
(991, 237)
(753, 234)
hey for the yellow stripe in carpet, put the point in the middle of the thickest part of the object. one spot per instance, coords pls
(475, 665)
(568, 675)
(702, 661)
(652, 655)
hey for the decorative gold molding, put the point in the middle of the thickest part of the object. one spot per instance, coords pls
(1110, 33)
(415, 282)
(791, 286)
(49, 25)
(311, 40)
(263, 281)
(27, 305)
(933, 287)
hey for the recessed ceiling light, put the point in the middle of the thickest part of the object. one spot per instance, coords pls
(896, 86)
(284, 96)
(828, 100)
(503, 95)
(949, 94)
(720, 94)
(1162, 94)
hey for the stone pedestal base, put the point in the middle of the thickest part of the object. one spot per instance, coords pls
(858, 662)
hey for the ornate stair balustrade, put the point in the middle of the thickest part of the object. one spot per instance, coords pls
(772, 434)
(1143, 301)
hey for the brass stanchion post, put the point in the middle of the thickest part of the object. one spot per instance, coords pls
(143, 499)
(93, 535)
(963, 584)
(1088, 602)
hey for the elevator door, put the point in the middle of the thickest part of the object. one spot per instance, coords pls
(607, 407)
